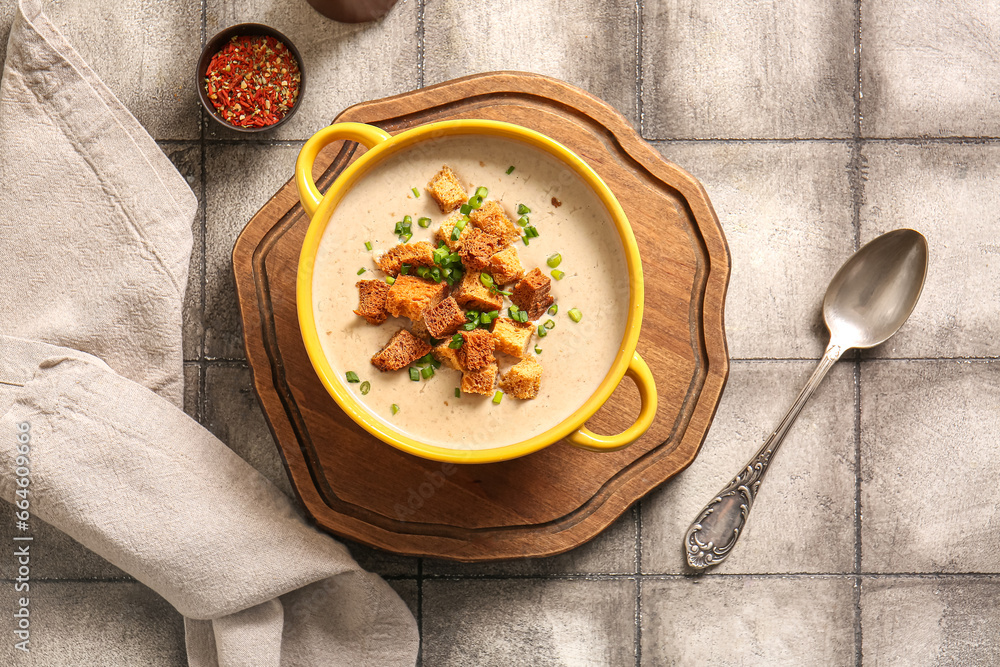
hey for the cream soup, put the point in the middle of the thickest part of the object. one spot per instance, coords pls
(575, 357)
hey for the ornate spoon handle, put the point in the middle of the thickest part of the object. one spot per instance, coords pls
(714, 532)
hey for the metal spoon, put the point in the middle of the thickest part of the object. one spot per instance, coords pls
(867, 302)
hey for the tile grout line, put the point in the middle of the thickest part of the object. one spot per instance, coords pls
(637, 519)
(202, 409)
(857, 177)
(421, 7)
(639, 8)
(420, 612)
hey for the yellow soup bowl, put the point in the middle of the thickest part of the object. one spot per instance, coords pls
(381, 146)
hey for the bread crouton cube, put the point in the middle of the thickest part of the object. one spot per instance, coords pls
(445, 318)
(420, 253)
(471, 293)
(531, 293)
(477, 248)
(492, 219)
(444, 232)
(447, 356)
(477, 349)
(512, 337)
(419, 329)
(480, 381)
(505, 266)
(523, 379)
(410, 297)
(402, 350)
(371, 300)
(447, 190)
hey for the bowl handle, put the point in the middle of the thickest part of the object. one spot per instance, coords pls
(584, 438)
(366, 135)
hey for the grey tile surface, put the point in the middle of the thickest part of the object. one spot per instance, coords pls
(803, 518)
(407, 590)
(611, 552)
(344, 64)
(786, 212)
(929, 462)
(718, 69)
(187, 157)
(242, 178)
(919, 622)
(146, 54)
(590, 43)
(99, 624)
(947, 192)
(233, 414)
(192, 390)
(929, 68)
(730, 622)
(528, 622)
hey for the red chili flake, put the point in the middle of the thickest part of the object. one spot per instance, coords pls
(239, 81)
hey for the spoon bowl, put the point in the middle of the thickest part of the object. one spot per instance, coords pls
(875, 291)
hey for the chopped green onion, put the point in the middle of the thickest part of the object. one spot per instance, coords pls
(424, 222)
(522, 209)
(542, 331)
(469, 326)
(426, 359)
(404, 238)
(389, 280)
(497, 397)
(538, 350)
(523, 221)
(493, 314)
(407, 221)
(366, 387)
(458, 393)
(553, 309)
(361, 270)
(525, 239)
(554, 260)
(486, 279)
(436, 274)
(456, 342)
(557, 274)
(481, 192)
(352, 377)
(522, 316)
(423, 271)
(440, 254)
(513, 309)
(531, 231)
(575, 315)
(466, 209)
(368, 246)
(502, 292)
(414, 374)
(510, 170)
(455, 233)
(472, 315)
(476, 203)
(549, 324)
(416, 193)
(435, 363)
(395, 408)
(485, 320)
(404, 269)
(427, 372)
(462, 222)
(398, 229)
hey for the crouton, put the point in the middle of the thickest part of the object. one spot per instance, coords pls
(477, 248)
(523, 379)
(471, 293)
(444, 319)
(402, 350)
(512, 337)
(477, 349)
(410, 297)
(492, 219)
(419, 329)
(481, 381)
(447, 190)
(531, 293)
(447, 356)
(371, 301)
(414, 254)
(505, 266)
(444, 232)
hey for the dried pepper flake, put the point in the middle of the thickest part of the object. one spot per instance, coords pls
(253, 81)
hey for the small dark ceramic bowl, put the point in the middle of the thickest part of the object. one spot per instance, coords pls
(216, 43)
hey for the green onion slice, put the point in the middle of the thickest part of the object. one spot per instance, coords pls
(361, 270)
(368, 246)
(497, 397)
(522, 209)
(523, 221)
(424, 222)
(554, 260)
(466, 209)
(486, 279)
(476, 203)
(414, 374)
(557, 274)
(416, 193)
(366, 387)
(482, 192)
(575, 315)
(395, 408)
(404, 269)
(458, 393)
(549, 324)
(510, 170)
(538, 350)
(404, 238)
(427, 372)
(553, 309)
(542, 331)
(389, 280)
(352, 377)
(469, 326)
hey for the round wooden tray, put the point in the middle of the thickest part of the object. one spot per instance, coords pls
(356, 486)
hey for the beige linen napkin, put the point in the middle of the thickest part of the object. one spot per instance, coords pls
(95, 242)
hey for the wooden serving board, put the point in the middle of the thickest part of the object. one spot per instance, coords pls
(355, 486)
